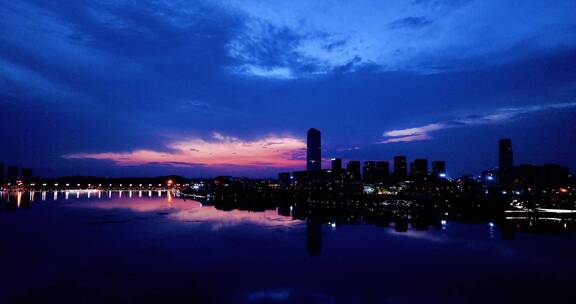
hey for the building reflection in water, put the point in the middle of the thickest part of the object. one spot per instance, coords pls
(315, 216)
(313, 236)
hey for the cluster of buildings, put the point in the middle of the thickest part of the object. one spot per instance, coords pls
(392, 177)
(506, 179)
(524, 177)
(370, 172)
(13, 176)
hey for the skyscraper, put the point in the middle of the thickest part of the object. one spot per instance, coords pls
(400, 170)
(382, 171)
(419, 168)
(336, 164)
(505, 163)
(353, 168)
(313, 155)
(369, 171)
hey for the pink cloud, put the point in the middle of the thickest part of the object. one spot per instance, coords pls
(221, 151)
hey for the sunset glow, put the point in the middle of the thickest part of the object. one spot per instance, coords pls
(280, 152)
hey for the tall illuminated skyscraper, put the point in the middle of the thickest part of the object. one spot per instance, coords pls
(313, 155)
(505, 162)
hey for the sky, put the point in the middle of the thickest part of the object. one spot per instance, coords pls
(220, 87)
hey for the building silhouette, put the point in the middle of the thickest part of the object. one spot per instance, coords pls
(438, 168)
(548, 175)
(336, 164)
(419, 168)
(12, 173)
(27, 174)
(400, 169)
(505, 163)
(353, 168)
(382, 171)
(1, 173)
(369, 171)
(313, 155)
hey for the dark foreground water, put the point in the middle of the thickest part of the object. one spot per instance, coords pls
(151, 247)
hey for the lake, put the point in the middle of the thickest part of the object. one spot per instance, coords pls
(150, 246)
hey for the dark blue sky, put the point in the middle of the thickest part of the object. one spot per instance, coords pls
(198, 88)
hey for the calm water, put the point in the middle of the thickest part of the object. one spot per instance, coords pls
(152, 247)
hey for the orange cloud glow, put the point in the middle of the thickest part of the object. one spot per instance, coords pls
(219, 152)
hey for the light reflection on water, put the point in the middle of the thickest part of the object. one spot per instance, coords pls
(101, 239)
(158, 202)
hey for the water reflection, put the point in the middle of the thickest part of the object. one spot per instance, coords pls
(406, 222)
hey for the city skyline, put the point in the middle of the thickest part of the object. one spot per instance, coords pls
(224, 88)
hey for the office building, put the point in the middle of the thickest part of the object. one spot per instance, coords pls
(313, 155)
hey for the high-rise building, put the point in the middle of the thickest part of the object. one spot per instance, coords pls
(369, 171)
(353, 168)
(419, 168)
(438, 168)
(505, 163)
(336, 164)
(12, 173)
(1, 173)
(382, 171)
(313, 155)
(26, 174)
(400, 169)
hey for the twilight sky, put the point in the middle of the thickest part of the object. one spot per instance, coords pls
(199, 88)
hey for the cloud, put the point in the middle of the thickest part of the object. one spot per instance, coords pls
(500, 116)
(320, 36)
(410, 23)
(221, 151)
(266, 72)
